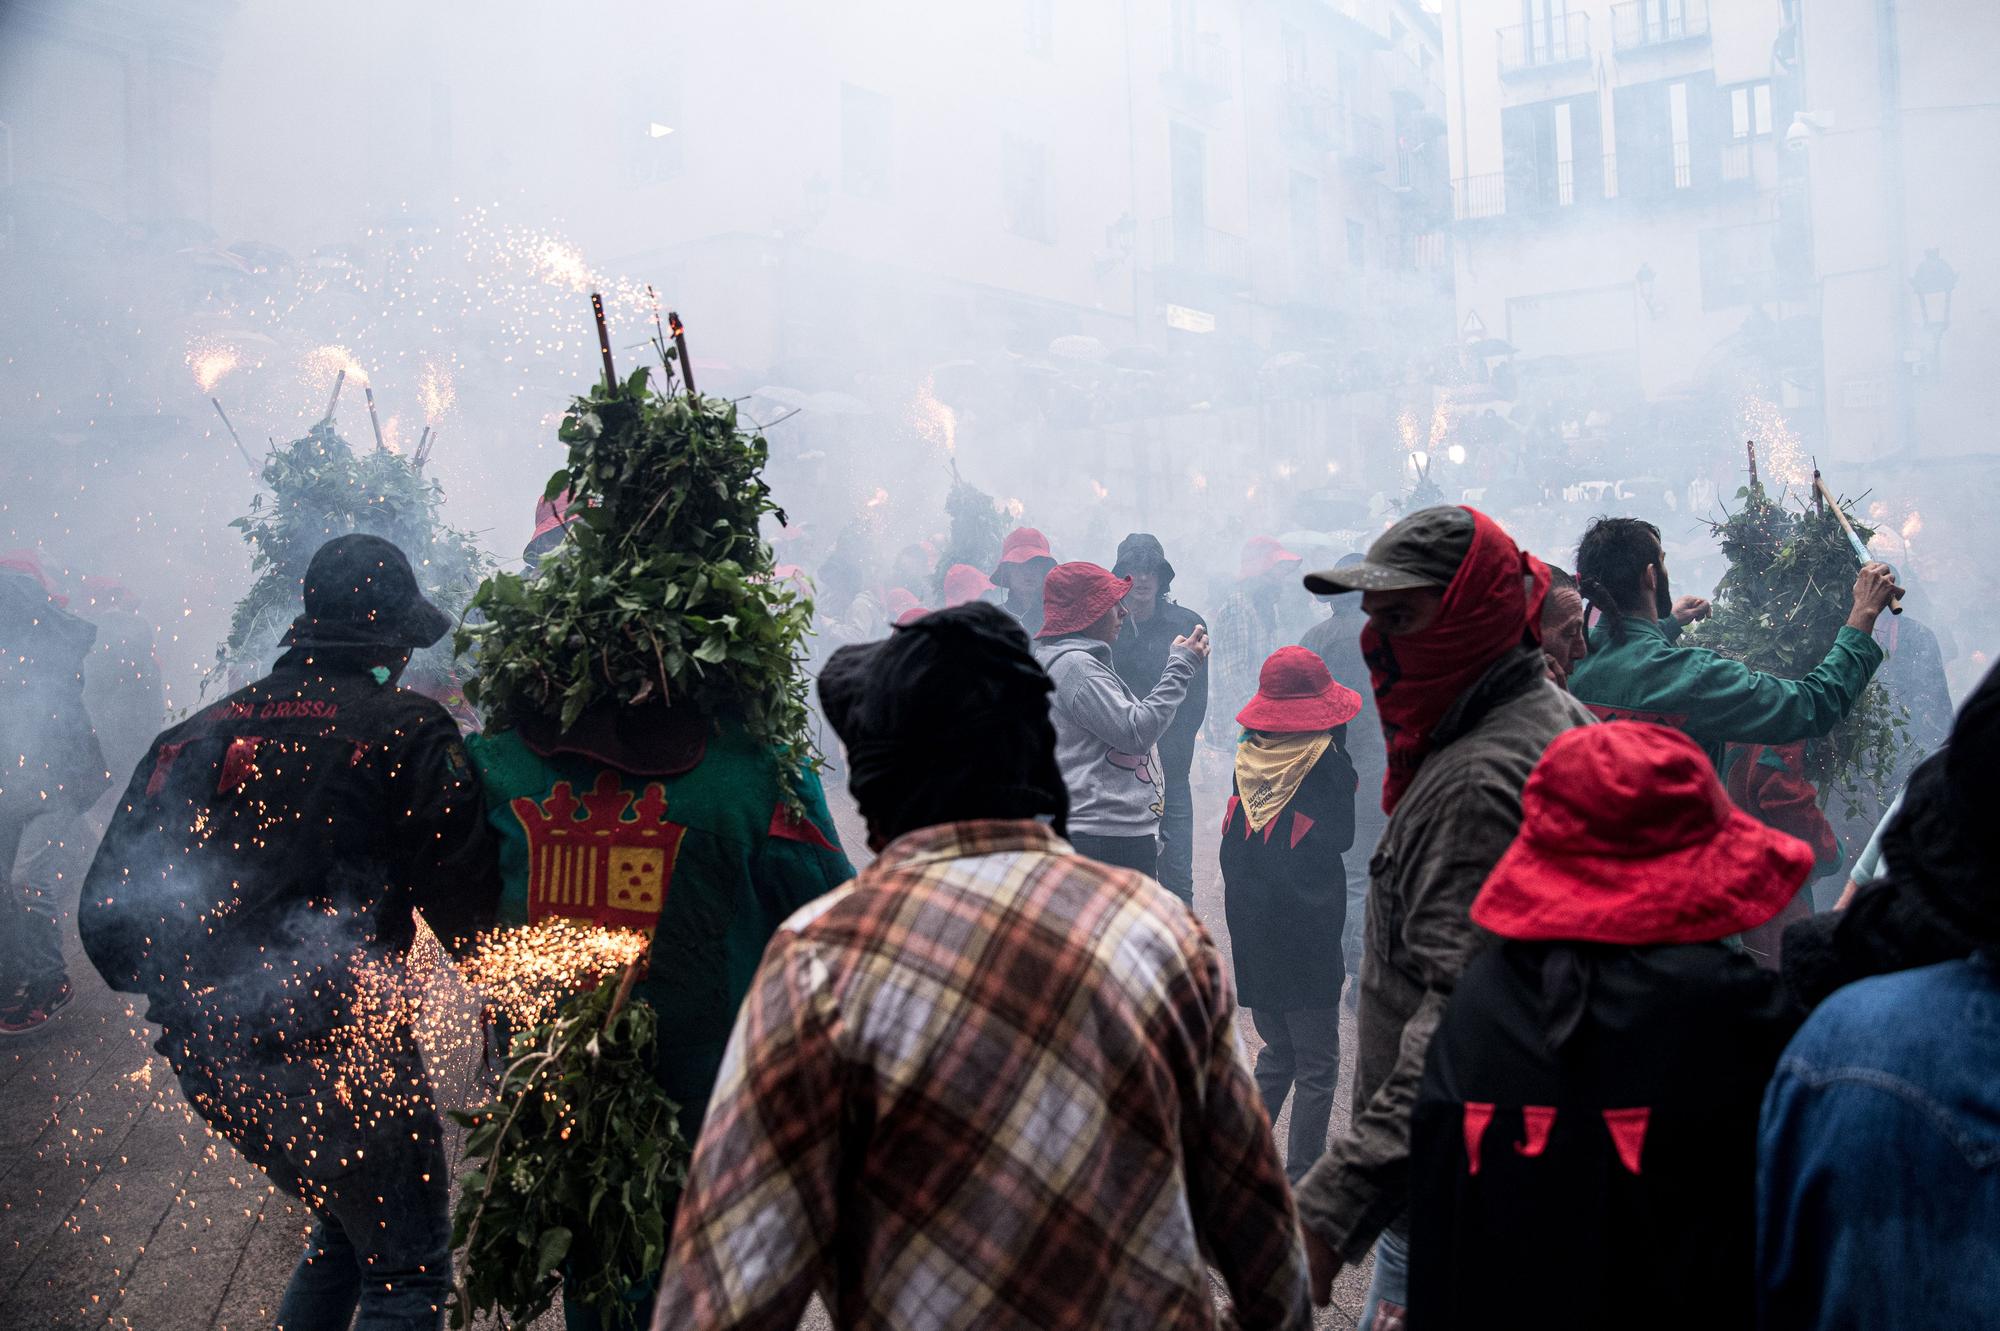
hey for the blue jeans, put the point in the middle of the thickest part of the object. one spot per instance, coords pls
(1391, 1281)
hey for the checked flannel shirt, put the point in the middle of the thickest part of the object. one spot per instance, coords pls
(988, 1084)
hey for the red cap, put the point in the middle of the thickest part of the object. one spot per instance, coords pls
(1295, 693)
(1075, 596)
(963, 583)
(1261, 554)
(899, 602)
(1022, 545)
(911, 616)
(1627, 837)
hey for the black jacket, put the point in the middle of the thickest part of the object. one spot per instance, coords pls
(1337, 641)
(1140, 658)
(1284, 892)
(271, 842)
(1612, 1094)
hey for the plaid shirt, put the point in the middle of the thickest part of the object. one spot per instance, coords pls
(987, 1084)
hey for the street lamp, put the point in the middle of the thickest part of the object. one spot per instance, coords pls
(1933, 281)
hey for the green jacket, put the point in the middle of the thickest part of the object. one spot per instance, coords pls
(1715, 700)
(708, 861)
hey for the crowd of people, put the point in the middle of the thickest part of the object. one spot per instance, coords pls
(1610, 1068)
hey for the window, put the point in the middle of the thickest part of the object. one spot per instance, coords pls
(1293, 44)
(1677, 119)
(1039, 23)
(1750, 111)
(649, 114)
(1305, 222)
(1024, 186)
(1565, 158)
(865, 156)
(1357, 243)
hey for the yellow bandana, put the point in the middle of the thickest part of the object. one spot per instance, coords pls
(1269, 769)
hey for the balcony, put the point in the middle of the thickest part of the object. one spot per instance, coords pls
(1647, 25)
(1366, 149)
(1198, 74)
(1679, 172)
(1194, 250)
(1532, 48)
(1311, 117)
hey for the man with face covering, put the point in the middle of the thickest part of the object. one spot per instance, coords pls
(256, 886)
(1453, 646)
(989, 1081)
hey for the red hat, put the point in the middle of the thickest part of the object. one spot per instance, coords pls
(1022, 545)
(1295, 692)
(1627, 837)
(900, 602)
(963, 582)
(911, 616)
(549, 514)
(1075, 596)
(29, 564)
(1261, 554)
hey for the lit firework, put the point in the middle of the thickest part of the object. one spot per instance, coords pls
(210, 361)
(935, 421)
(324, 364)
(1780, 455)
(435, 390)
(525, 971)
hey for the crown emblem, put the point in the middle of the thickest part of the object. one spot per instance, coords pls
(605, 858)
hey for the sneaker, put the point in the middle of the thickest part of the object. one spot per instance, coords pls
(31, 1013)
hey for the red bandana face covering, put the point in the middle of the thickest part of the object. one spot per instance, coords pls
(1418, 676)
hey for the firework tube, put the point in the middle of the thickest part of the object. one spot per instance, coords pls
(248, 460)
(681, 349)
(1750, 448)
(368, 391)
(1853, 537)
(603, 339)
(334, 401)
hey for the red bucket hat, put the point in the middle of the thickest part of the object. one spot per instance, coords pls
(1627, 837)
(1295, 693)
(1075, 596)
(963, 582)
(549, 514)
(1022, 545)
(1261, 554)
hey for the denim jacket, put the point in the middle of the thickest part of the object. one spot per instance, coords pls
(1878, 1174)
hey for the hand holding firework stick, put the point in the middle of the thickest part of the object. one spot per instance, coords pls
(1875, 577)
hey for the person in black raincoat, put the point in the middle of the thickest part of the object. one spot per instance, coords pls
(1585, 1140)
(1140, 657)
(256, 885)
(1284, 891)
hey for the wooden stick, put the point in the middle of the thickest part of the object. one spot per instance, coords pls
(659, 333)
(368, 390)
(1853, 537)
(217, 404)
(334, 401)
(603, 339)
(681, 347)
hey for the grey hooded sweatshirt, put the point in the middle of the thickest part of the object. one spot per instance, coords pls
(1105, 735)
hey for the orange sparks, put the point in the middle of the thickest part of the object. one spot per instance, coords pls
(210, 361)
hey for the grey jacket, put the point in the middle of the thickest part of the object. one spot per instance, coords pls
(1105, 735)
(1458, 816)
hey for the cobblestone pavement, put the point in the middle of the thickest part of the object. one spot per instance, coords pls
(118, 1209)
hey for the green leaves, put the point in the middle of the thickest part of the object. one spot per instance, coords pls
(664, 590)
(1787, 593)
(573, 1169)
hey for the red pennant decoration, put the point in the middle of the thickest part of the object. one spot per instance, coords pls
(1628, 1134)
(785, 825)
(1536, 1121)
(238, 763)
(1300, 826)
(1229, 812)
(1477, 1116)
(163, 763)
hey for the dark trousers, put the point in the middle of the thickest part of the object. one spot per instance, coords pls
(379, 1255)
(1367, 832)
(1123, 852)
(1176, 866)
(1301, 1052)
